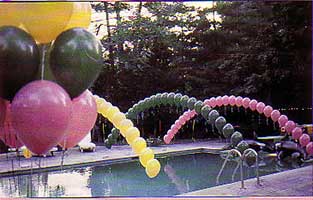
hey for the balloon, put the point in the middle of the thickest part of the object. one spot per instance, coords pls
(146, 155)
(235, 138)
(112, 111)
(7, 133)
(27, 153)
(104, 107)
(260, 107)
(40, 114)
(131, 134)
(219, 101)
(19, 60)
(212, 102)
(191, 103)
(138, 145)
(153, 168)
(296, 133)
(220, 123)
(125, 125)
(242, 146)
(268, 111)
(45, 20)
(275, 115)
(228, 130)
(82, 120)
(282, 120)
(81, 16)
(3, 107)
(225, 100)
(183, 100)
(207, 102)
(289, 126)
(213, 115)
(76, 60)
(232, 100)
(245, 102)
(170, 98)
(166, 139)
(9, 15)
(198, 106)
(177, 99)
(238, 101)
(205, 111)
(117, 119)
(309, 148)
(252, 104)
(304, 140)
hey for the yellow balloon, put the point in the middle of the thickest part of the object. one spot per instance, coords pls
(9, 15)
(131, 134)
(111, 112)
(146, 155)
(45, 20)
(125, 125)
(104, 107)
(81, 16)
(117, 119)
(27, 153)
(138, 145)
(99, 101)
(153, 168)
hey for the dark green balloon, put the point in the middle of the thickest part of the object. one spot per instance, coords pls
(213, 115)
(250, 158)
(235, 138)
(76, 60)
(177, 98)
(164, 98)
(170, 97)
(228, 130)
(183, 101)
(242, 146)
(191, 103)
(198, 106)
(19, 60)
(220, 123)
(205, 111)
(107, 144)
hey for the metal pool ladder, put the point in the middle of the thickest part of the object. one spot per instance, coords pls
(242, 158)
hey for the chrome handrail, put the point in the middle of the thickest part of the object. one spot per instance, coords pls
(224, 164)
(245, 152)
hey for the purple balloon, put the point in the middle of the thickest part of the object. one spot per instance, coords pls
(309, 148)
(245, 102)
(282, 120)
(260, 107)
(304, 140)
(252, 104)
(296, 133)
(275, 115)
(289, 126)
(268, 111)
(40, 113)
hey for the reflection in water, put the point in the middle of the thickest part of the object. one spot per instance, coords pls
(179, 174)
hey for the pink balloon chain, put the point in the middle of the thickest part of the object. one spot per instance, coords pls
(261, 108)
(185, 117)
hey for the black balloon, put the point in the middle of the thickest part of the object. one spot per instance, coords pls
(76, 60)
(19, 60)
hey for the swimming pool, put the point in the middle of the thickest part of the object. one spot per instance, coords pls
(179, 174)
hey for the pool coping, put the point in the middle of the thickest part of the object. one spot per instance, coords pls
(106, 161)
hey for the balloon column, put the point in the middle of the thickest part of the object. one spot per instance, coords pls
(132, 135)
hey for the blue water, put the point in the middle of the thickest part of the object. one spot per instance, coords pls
(179, 174)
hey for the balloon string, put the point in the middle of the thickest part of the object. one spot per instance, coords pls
(43, 50)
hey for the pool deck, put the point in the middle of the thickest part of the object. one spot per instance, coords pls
(296, 182)
(10, 164)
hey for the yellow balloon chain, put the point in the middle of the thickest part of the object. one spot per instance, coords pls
(132, 135)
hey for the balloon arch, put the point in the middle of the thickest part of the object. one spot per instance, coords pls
(205, 109)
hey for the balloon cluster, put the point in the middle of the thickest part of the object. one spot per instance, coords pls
(132, 135)
(41, 114)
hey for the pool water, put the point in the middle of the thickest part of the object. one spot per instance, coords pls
(178, 175)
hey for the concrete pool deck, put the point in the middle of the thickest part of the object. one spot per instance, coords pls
(10, 164)
(296, 182)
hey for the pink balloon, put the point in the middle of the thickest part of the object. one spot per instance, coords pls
(232, 100)
(296, 133)
(282, 120)
(212, 102)
(252, 104)
(304, 140)
(245, 102)
(238, 101)
(174, 128)
(260, 107)
(289, 126)
(41, 111)
(225, 100)
(275, 114)
(166, 139)
(8, 134)
(207, 102)
(82, 121)
(219, 101)
(268, 111)
(309, 148)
